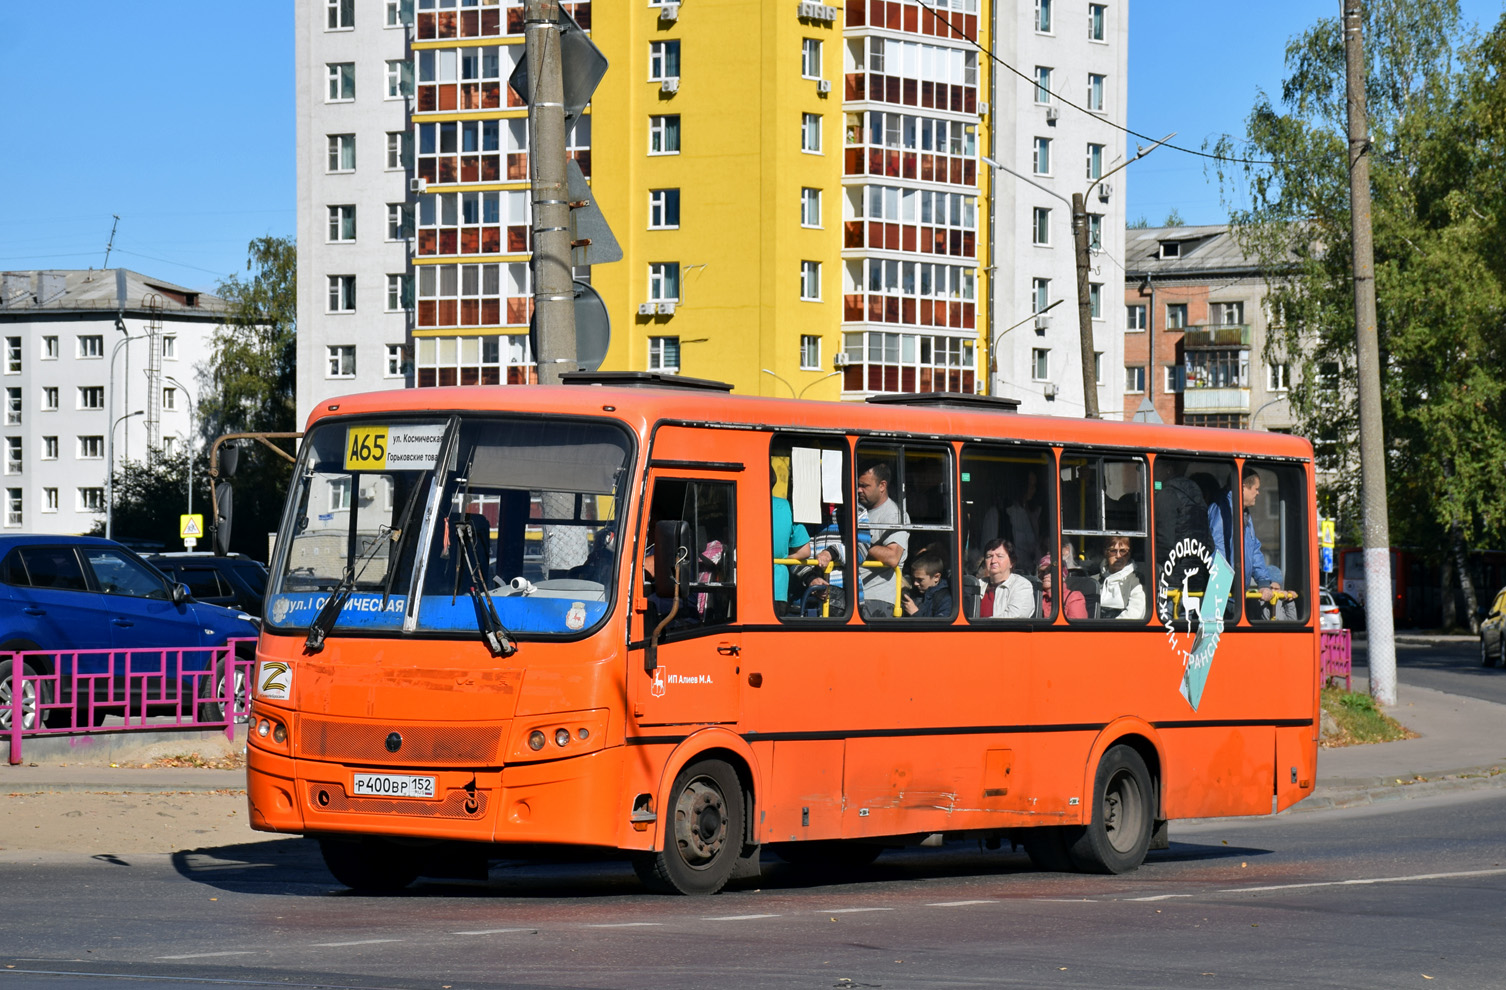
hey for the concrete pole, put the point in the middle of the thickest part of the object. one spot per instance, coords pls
(1382, 648)
(553, 285)
(1084, 306)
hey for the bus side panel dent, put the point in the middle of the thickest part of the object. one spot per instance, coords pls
(728, 746)
(1217, 771)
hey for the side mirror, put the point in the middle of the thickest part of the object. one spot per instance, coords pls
(180, 594)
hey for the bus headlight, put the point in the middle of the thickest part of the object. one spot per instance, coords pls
(535, 740)
(573, 734)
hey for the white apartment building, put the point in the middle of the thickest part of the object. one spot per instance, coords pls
(355, 220)
(1077, 52)
(85, 351)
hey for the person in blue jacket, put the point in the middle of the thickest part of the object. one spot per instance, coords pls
(1221, 522)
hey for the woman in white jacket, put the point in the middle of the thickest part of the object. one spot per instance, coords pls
(1008, 595)
(1120, 594)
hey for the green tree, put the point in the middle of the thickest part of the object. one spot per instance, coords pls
(1174, 219)
(1437, 104)
(149, 496)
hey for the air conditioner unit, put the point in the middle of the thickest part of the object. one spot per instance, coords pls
(1105, 191)
(1049, 391)
(823, 86)
(840, 361)
(670, 85)
(666, 309)
(669, 12)
(1042, 322)
(647, 309)
(1053, 114)
(418, 185)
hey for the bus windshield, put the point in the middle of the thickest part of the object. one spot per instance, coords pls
(423, 525)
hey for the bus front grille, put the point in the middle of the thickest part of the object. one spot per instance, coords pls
(351, 741)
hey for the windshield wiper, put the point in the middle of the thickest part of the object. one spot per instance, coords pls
(498, 640)
(400, 537)
(325, 620)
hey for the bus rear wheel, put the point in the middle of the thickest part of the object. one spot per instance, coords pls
(1116, 839)
(704, 835)
(371, 866)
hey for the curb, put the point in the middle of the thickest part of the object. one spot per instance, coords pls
(1379, 790)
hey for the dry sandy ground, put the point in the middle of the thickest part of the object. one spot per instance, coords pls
(104, 823)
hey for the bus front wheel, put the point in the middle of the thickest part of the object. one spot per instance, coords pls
(704, 835)
(1116, 839)
(371, 866)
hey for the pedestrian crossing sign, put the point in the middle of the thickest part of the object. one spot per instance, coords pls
(190, 527)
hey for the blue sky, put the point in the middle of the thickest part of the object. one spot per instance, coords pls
(178, 116)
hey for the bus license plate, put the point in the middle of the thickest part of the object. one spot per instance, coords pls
(393, 785)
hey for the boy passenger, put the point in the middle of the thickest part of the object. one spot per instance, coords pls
(936, 597)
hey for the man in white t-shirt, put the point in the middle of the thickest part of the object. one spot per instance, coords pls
(890, 544)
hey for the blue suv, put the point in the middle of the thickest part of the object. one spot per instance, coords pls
(82, 593)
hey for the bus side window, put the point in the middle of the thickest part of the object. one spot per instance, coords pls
(702, 514)
(905, 498)
(811, 496)
(1192, 499)
(1007, 494)
(1275, 543)
(1104, 521)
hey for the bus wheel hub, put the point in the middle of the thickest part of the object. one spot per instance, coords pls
(700, 822)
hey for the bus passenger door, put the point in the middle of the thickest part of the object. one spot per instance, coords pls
(686, 657)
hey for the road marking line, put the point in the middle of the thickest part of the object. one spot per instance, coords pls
(854, 910)
(1158, 897)
(1065, 900)
(1371, 880)
(631, 924)
(364, 941)
(210, 955)
(741, 917)
(959, 903)
(496, 931)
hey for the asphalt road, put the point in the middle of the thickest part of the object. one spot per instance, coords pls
(1453, 667)
(1385, 896)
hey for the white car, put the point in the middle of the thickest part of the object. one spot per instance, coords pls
(1329, 617)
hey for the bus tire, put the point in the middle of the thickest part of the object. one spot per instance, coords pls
(370, 866)
(1046, 845)
(704, 834)
(832, 855)
(1117, 837)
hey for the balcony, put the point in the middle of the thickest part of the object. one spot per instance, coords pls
(1197, 399)
(1213, 335)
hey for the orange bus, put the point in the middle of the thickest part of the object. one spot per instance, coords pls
(651, 617)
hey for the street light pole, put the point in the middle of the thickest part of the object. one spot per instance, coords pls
(191, 437)
(110, 475)
(110, 441)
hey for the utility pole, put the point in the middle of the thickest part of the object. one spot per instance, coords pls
(553, 285)
(1084, 306)
(1382, 640)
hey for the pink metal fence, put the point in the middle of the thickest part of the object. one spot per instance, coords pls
(68, 693)
(1335, 657)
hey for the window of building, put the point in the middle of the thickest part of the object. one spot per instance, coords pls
(663, 60)
(170, 347)
(810, 58)
(1040, 227)
(1228, 314)
(1175, 377)
(12, 355)
(810, 281)
(91, 448)
(810, 133)
(49, 448)
(394, 366)
(1135, 318)
(91, 500)
(1041, 159)
(1278, 377)
(339, 494)
(664, 134)
(342, 294)
(342, 223)
(1095, 231)
(13, 513)
(1171, 249)
(169, 446)
(664, 354)
(399, 13)
(664, 281)
(169, 399)
(13, 406)
(1043, 84)
(13, 459)
(663, 209)
(342, 14)
(1095, 161)
(1040, 364)
(1040, 294)
(399, 78)
(342, 82)
(810, 207)
(342, 153)
(399, 221)
(1095, 91)
(1098, 367)
(91, 346)
(1043, 16)
(1134, 378)
(91, 397)
(1176, 316)
(49, 348)
(1095, 299)
(399, 150)
(49, 500)
(1218, 369)
(1097, 13)
(49, 397)
(810, 352)
(399, 293)
(342, 361)
(909, 362)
